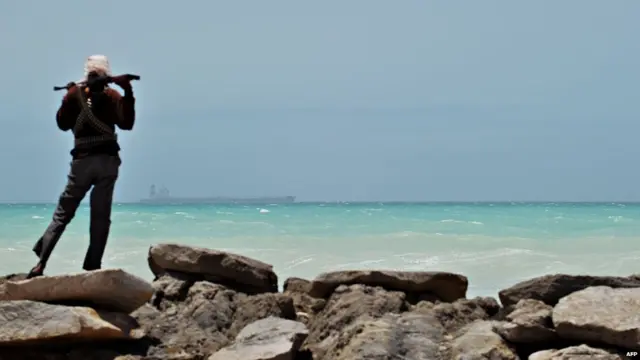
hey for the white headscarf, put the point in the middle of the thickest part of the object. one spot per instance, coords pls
(96, 63)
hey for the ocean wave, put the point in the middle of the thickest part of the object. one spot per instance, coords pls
(461, 222)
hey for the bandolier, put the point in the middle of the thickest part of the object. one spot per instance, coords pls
(87, 117)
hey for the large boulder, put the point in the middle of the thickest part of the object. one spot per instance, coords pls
(271, 338)
(551, 288)
(600, 314)
(446, 287)
(112, 289)
(235, 271)
(24, 322)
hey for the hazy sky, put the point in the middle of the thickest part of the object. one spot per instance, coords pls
(337, 100)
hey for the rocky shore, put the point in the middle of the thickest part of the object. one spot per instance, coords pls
(210, 305)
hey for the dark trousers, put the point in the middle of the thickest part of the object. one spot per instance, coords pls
(101, 173)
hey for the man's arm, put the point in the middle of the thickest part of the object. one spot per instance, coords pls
(124, 107)
(68, 111)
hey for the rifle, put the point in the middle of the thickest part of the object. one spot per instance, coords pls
(98, 80)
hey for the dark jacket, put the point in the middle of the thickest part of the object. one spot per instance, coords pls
(111, 108)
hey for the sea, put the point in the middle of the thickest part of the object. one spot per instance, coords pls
(495, 245)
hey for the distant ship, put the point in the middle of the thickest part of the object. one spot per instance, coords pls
(162, 196)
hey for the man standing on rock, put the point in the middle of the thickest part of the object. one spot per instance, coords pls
(91, 110)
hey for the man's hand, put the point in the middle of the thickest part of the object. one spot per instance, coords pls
(123, 82)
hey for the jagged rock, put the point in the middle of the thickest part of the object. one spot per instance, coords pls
(306, 306)
(529, 322)
(447, 287)
(394, 336)
(111, 288)
(478, 341)
(12, 277)
(267, 339)
(582, 352)
(235, 271)
(551, 288)
(24, 322)
(600, 314)
(294, 284)
(346, 305)
(456, 315)
(206, 317)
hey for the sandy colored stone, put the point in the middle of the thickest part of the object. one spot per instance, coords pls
(582, 352)
(393, 336)
(479, 341)
(110, 288)
(271, 338)
(344, 308)
(600, 314)
(530, 322)
(236, 271)
(447, 287)
(24, 322)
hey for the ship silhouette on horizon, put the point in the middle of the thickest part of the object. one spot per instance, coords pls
(163, 196)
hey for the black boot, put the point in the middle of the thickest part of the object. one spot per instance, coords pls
(36, 271)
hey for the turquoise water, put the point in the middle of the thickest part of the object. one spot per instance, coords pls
(495, 245)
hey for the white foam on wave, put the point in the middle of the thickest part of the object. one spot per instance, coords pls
(461, 222)
(264, 211)
(298, 262)
(37, 217)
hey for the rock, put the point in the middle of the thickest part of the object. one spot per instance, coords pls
(456, 315)
(393, 336)
(170, 288)
(582, 352)
(600, 314)
(294, 284)
(478, 341)
(551, 288)
(235, 271)
(447, 287)
(13, 277)
(346, 305)
(207, 319)
(267, 339)
(306, 306)
(24, 322)
(112, 289)
(530, 322)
